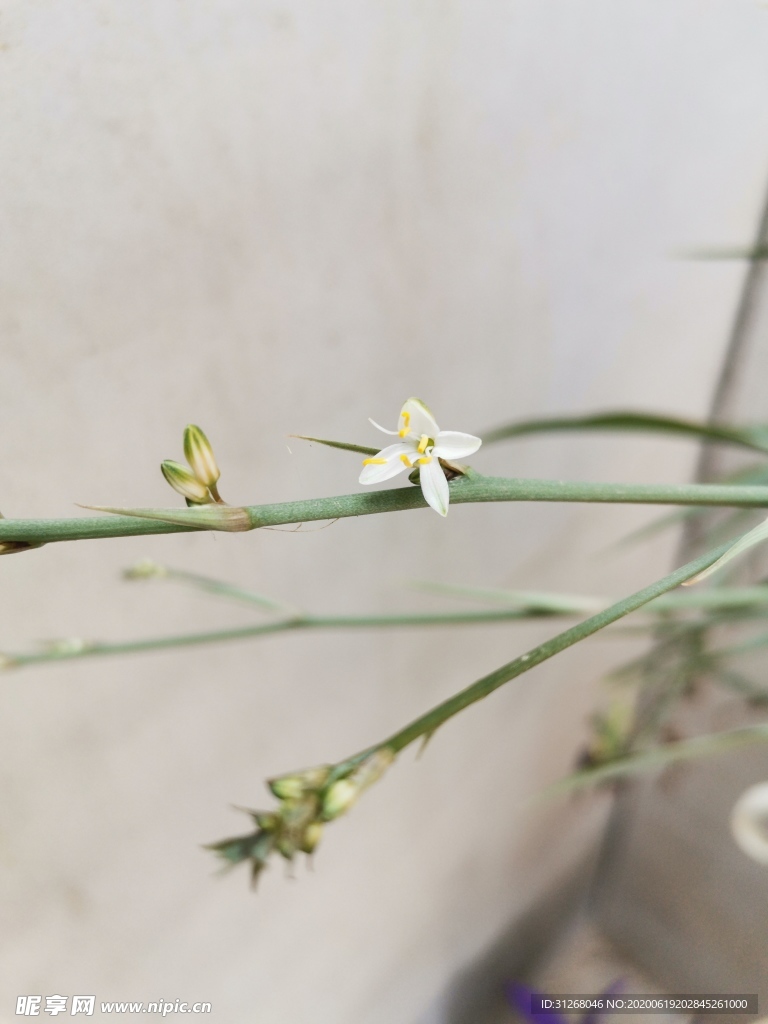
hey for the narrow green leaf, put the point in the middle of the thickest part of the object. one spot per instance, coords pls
(218, 588)
(202, 517)
(345, 445)
(660, 757)
(755, 437)
(574, 604)
(531, 600)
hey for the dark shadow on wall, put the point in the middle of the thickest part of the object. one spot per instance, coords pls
(476, 994)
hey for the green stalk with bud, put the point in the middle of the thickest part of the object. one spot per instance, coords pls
(310, 799)
(321, 794)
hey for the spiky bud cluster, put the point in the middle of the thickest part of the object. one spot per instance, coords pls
(196, 485)
(308, 799)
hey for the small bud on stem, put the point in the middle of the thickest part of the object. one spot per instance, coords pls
(185, 483)
(199, 454)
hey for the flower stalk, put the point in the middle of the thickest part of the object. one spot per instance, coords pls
(322, 795)
(466, 489)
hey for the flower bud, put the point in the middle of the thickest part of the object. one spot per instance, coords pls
(288, 787)
(339, 798)
(199, 454)
(313, 833)
(295, 785)
(185, 483)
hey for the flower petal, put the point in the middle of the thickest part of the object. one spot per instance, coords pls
(383, 429)
(417, 417)
(452, 444)
(434, 486)
(376, 471)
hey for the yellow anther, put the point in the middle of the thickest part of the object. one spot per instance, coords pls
(374, 462)
(424, 460)
(407, 461)
(423, 444)
(403, 431)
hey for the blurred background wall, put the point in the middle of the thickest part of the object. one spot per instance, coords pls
(284, 218)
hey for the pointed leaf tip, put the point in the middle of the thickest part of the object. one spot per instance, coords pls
(744, 543)
(203, 517)
(344, 445)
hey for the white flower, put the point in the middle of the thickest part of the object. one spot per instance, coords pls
(422, 444)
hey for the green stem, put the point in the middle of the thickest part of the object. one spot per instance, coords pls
(91, 650)
(472, 488)
(426, 724)
(661, 757)
(220, 588)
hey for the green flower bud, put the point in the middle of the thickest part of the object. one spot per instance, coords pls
(288, 787)
(312, 835)
(199, 454)
(185, 483)
(295, 785)
(339, 798)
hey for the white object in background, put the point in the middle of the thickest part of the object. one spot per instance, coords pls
(749, 822)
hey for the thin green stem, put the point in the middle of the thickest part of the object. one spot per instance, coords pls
(710, 598)
(660, 757)
(548, 608)
(468, 489)
(428, 723)
(74, 650)
(218, 588)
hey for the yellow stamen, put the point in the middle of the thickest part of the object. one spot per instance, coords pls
(406, 424)
(407, 461)
(423, 444)
(424, 460)
(374, 462)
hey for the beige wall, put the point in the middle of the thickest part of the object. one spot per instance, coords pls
(287, 218)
